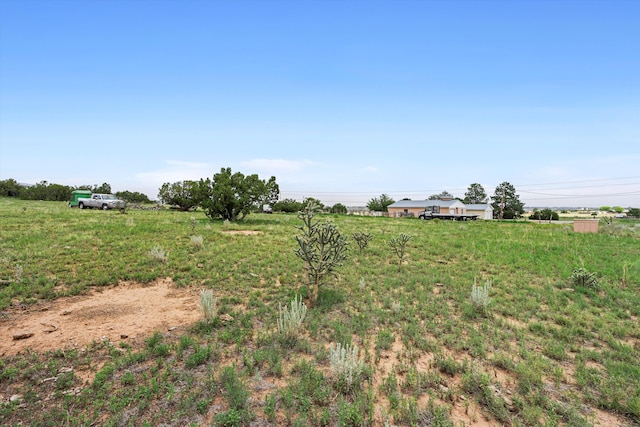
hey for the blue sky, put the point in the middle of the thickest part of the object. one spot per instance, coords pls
(339, 100)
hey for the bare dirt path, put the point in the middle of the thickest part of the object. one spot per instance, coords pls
(127, 312)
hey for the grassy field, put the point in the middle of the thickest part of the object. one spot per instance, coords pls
(544, 351)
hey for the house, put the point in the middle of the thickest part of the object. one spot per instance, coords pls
(414, 207)
(484, 211)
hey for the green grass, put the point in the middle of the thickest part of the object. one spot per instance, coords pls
(545, 351)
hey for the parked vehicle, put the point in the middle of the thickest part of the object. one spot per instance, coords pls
(433, 212)
(78, 194)
(101, 201)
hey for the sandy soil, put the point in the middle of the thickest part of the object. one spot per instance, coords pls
(127, 312)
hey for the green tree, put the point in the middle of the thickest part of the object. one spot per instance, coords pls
(10, 188)
(605, 208)
(545, 214)
(380, 204)
(339, 208)
(104, 188)
(321, 247)
(475, 194)
(184, 195)
(46, 191)
(232, 196)
(133, 197)
(506, 203)
(618, 209)
(634, 212)
(287, 205)
(444, 195)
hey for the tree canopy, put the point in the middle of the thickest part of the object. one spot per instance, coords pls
(444, 195)
(185, 195)
(475, 194)
(380, 204)
(339, 208)
(232, 196)
(10, 188)
(506, 203)
(133, 197)
(287, 205)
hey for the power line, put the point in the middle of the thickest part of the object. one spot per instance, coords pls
(432, 191)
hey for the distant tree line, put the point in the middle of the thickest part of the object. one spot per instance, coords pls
(545, 214)
(62, 193)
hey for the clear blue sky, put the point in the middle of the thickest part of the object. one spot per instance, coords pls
(339, 100)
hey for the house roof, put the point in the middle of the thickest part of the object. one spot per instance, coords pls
(423, 203)
(478, 207)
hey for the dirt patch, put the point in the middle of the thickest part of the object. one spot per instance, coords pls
(243, 232)
(127, 312)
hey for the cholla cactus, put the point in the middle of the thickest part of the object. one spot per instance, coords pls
(362, 239)
(208, 304)
(290, 319)
(399, 246)
(480, 296)
(345, 363)
(582, 277)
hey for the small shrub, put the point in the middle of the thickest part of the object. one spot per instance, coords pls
(237, 395)
(128, 378)
(65, 381)
(200, 356)
(582, 277)
(197, 241)
(158, 254)
(480, 297)
(290, 320)
(208, 304)
(345, 363)
(18, 273)
(384, 340)
(230, 418)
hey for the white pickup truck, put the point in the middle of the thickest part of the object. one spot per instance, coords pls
(101, 201)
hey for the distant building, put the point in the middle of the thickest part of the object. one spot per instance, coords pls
(414, 207)
(441, 206)
(483, 210)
